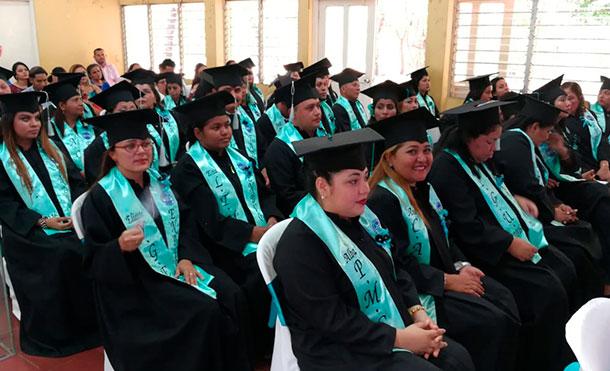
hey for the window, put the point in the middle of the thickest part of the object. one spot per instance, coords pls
(264, 30)
(152, 33)
(530, 42)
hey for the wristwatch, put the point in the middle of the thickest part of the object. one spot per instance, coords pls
(460, 264)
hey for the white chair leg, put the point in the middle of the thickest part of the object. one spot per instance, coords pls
(107, 365)
(15, 304)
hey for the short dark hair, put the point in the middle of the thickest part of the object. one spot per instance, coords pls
(97, 50)
(37, 70)
(167, 63)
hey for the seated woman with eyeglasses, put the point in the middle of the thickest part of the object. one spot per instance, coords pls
(162, 304)
(43, 254)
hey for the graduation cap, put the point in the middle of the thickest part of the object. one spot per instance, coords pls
(231, 75)
(512, 109)
(5, 74)
(550, 91)
(540, 111)
(341, 151)
(247, 63)
(412, 125)
(120, 92)
(125, 125)
(283, 85)
(605, 82)
(386, 90)
(140, 76)
(409, 88)
(320, 68)
(419, 74)
(22, 102)
(302, 89)
(170, 77)
(346, 76)
(199, 111)
(479, 83)
(294, 67)
(62, 90)
(478, 113)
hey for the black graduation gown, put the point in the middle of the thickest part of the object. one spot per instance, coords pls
(286, 174)
(577, 240)
(266, 129)
(238, 136)
(150, 321)
(260, 103)
(342, 122)
(54, 294)
(328, 330)
(487, 326)
(539, 292)
(332, 96)
(225, 237)
(582, 144)
(60, 144)
(326, 122)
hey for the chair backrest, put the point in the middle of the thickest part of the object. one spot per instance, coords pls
(588, 333)
(77, 221)
(266, 249)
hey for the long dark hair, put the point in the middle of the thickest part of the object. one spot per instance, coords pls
(475, 94)
(577, 90)
(10, 140)
(456, 137)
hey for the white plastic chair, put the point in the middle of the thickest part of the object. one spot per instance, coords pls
(588, 333)
(77, 222)
(283, 358)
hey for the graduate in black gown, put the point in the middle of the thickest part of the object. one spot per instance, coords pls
(346, 305)
(479, 88)
(255, 97)
(294, 70)
(476, 310)
(526, 174)
(601, 108)
(43, 254)
(284, 167)
(246, 137)
(348, 110)
(161, 303)
(320, 69)
(387, 97)
(500, 238)
(421, 82)
(232, 207)
(67, 130)
(278, 114)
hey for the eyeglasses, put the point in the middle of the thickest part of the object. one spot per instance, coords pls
(132, 147)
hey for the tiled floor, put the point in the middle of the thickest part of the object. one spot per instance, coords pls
(91, 360)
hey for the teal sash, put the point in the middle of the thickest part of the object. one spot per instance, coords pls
(253, 106)
(427, 102)
(169, 104)
(330, 116)
(289, 134)
(595, 131)
(76, 140)
(542, 178)
(162, 257)
(277, 119)
(374, 298)
(496, 196)
(353, 120)
(170, 128)
(39, 200)
(257, 91)
(553, 163)
(600, 113)
(249, 133)
(224, 192)
(87, 111)
(419, 241)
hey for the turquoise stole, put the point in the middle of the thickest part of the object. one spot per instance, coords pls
(374, 298)
(39, 200)
(169, 126)
(553, 163)
(600, 113)
(162, 257)
(289, 134)
(542, 178)
(330, 116)
(496, 197)
(595, 131)
(277, 119)
(87, 111)
(353, 120)
(419, 241)
(249, 133)
(427, 102)
(76, 141)
(223, 190)
(169, 104)
(253, 106)
(257, 91)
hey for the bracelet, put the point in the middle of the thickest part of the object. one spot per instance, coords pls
(414, 309)
(42, 222)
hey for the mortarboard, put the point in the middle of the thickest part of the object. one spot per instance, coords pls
(412, 125)
(419, 74)
(62, 90)
(478, 113)
(5, 74)
(231, 75)
(294, 67)
(22, 102)
(140, 76)
(550, 91)
(605, 82)
(120, 92)
(320, 68)
(346, 76)
(478, 83)
(386, 90)
(125, 125)
(247, 63)
(199, 111)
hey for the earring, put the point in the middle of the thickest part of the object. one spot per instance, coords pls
(391, 166)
